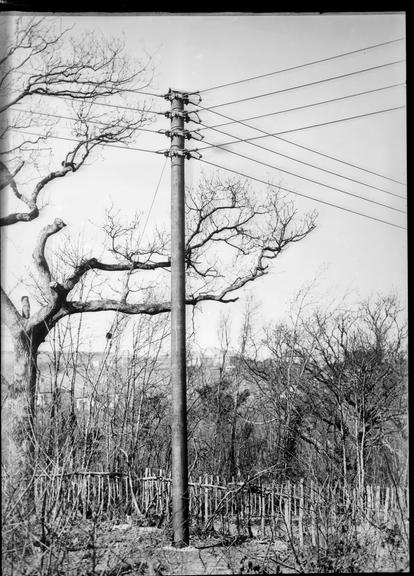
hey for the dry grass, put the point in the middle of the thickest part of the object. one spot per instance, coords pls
(83, 547)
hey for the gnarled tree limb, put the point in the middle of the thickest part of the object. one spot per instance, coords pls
(10, 316)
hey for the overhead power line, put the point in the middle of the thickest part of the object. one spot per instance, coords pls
(94, 103)
(226, 133)
(312, 180)
(76, 140)
(144, 93)
(107, 105)
(267, 134)
(301, 65)
(245, 140)
(314, 83)
(240, 141)
(153, 199)
(345, 162)
(277, 135)
(311, 105)
(303, 195)
(341, 120)
(68, 80)
(74, 119)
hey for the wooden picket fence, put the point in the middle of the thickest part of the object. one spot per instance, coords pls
(260, 507)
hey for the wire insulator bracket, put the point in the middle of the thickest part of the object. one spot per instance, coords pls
(188, 154)
(184, 96)
(172, 94)
(188, 134)
(182, 114)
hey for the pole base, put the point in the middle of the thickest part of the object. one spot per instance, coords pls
(180, 544)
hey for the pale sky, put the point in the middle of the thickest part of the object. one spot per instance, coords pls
(347, 253)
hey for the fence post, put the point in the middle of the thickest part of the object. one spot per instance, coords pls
(98, 504)
(263, 510)
(313, 514)
(220, 496)
(290, 511)
(259, 501)
(144, 491)
(200, 500)
(167, 500)
(125, 479)
(334, 505)
(108, 504)
(377, 501)
(206, 499)
(294, 507)
(83, 496)
(387, 503)
(163, 485)
(88, 492)
(402, 500)
(301, 505)
(213, 503)
(354, 502)
(287, 505)
(227, 506)
(191, 488)
(369, 501)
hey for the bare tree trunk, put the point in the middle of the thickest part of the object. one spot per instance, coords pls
(343, 445)
(233, 467)
(20, 408)
(361, 460)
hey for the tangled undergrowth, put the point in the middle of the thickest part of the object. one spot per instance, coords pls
(84, 547)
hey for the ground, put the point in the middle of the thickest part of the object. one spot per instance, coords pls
(115, 549)
(112, 549)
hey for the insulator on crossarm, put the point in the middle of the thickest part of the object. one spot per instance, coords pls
(198, 119)
(199, 98)
(193, 154)
(195, 134)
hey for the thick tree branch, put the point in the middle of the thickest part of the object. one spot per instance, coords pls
(31, 201)
(39, 254)
(8, 179)
(15, 217)
(10, 316)
(75, 307)
(94, 264)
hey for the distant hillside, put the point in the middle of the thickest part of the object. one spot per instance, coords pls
(89, 369)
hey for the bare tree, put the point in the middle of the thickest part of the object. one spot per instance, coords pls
(329, 392)
(52, 83)
(276, 376)
(353, 387)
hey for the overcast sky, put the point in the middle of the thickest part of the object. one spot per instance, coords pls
(348, 253)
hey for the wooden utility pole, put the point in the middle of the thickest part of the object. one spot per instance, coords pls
(180, 495)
